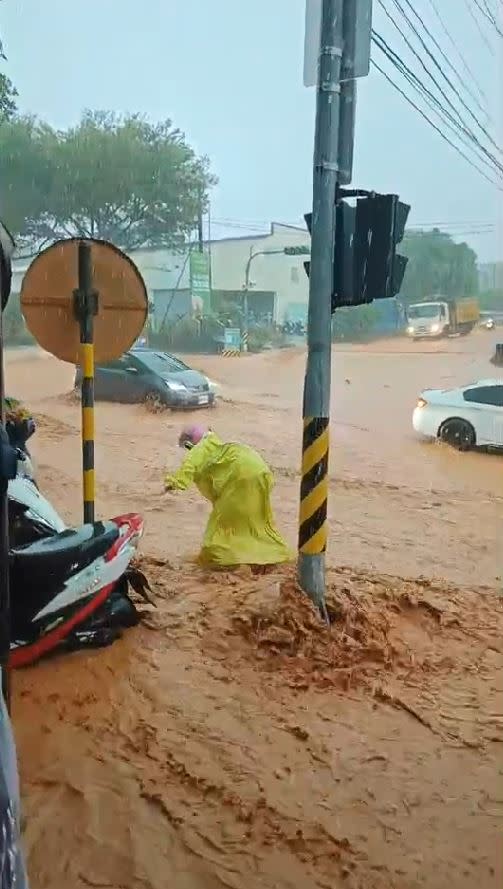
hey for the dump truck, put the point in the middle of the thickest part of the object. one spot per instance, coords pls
(442, 317)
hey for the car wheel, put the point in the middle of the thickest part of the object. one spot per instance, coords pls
(153, 402)
(458, 433)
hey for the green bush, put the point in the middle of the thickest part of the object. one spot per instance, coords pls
(187, 335)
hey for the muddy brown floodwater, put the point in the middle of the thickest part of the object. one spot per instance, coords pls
(231, 741)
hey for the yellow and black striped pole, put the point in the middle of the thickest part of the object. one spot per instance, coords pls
(313, 503)
(314, 487)
(86, 305)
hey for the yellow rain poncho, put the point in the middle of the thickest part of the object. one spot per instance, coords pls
(235, 479)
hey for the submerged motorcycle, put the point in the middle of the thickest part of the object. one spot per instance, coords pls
(70, 587)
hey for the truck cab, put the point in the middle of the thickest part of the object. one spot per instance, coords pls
(442, 317)
(428, 319)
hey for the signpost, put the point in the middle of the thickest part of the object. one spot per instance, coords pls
(200, 281)
(232, 341)
(337, 49)
(358, 35)
(354, 257)
(84, 301)
(85, 309)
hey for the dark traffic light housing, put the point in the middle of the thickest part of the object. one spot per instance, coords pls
(379, 227)
(366, 264)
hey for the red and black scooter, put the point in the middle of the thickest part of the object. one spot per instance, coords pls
(70, 587)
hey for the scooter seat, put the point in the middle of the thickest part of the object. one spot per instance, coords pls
(74, 546)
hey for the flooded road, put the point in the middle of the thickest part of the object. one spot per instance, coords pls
(397, 503)
(203, 751)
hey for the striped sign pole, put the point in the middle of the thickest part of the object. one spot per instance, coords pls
(316, 408)
(314, 487)
(313, 529)
(86, 307)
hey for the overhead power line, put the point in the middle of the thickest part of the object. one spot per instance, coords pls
(456, 226)
(482, 34)
(434, 126)
(462, 222)
(488, 14)
(453, 234)
(454, 45)
(466, 86)
(459, 129)
(413, 28)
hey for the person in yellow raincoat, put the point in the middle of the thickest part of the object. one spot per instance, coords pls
(238, 484)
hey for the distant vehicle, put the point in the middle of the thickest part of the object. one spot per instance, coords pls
(468, 417)
(488, 323)
(147, 375)
(439, 318)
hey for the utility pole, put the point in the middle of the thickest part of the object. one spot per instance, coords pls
(316, 404)
(8, 468)
(4, 536)
(200, 234)
(354, 258)
(245, 331)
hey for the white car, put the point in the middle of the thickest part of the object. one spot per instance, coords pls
(465, 418)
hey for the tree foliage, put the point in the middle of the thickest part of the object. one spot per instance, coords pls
(437, 265)
(25, 172)
(122, 179)
(8, 96)
(491, 300)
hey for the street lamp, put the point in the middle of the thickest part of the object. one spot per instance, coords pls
(285, 251)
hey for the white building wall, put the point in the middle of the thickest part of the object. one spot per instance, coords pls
(282, 274)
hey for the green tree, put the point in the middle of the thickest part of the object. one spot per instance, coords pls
(491, 300)
(356, 324)
(122, 179)
(438, 265)
(26, 173)
(8, 95)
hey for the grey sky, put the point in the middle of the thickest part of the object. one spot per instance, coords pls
(229, 74)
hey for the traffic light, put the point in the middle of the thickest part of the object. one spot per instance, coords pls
(366, 264)
(296, 251)
(344, 292)
(379, 228)
(343, 281)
